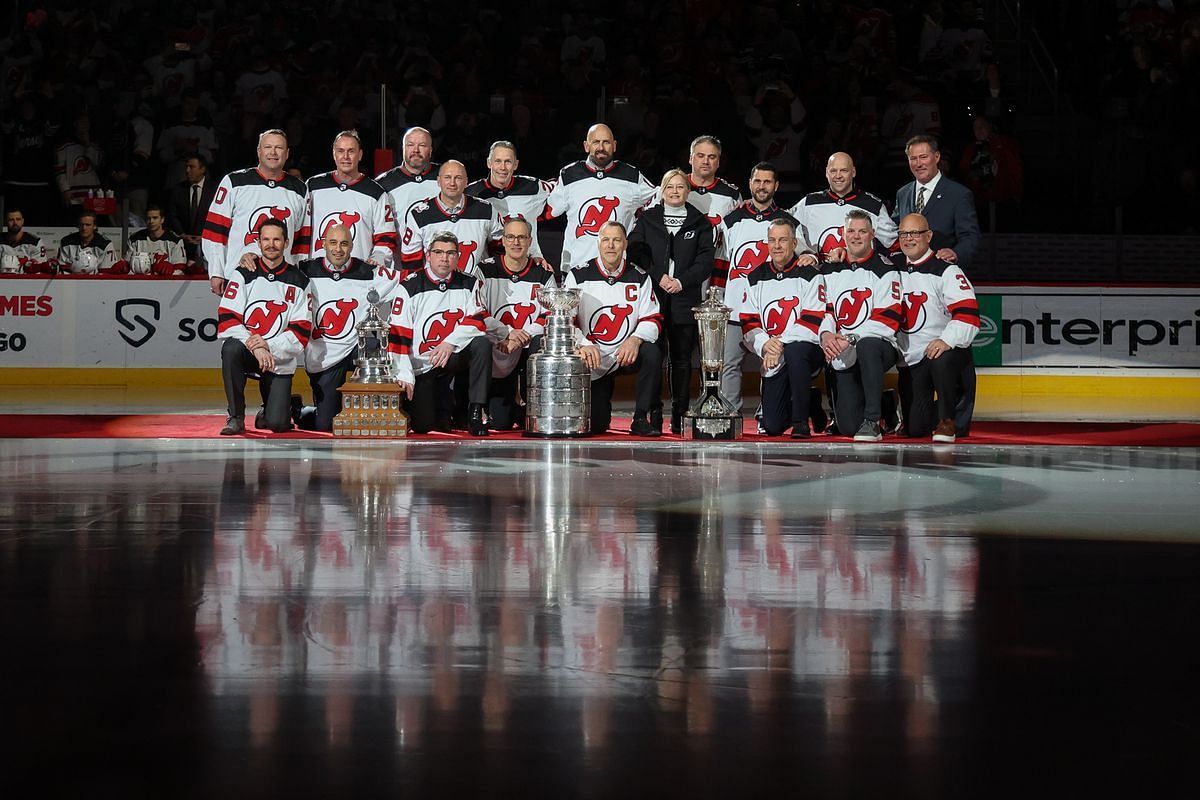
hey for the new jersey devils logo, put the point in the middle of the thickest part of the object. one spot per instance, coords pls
(748, 258)
(438, 327)
(853, 308)
(335, 319)
(611, 324)
(516, 315)
(914, 311)
(594, 213)
(830, 239)
(261, 215)
(265, 317)
(82, 164)
(466, 255)
(348, 218)
(779, 314)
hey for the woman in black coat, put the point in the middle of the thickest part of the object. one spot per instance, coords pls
(674, 243)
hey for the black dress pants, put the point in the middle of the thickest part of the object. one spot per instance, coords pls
(920, 382)
(326, 397)
(237, 365)
(786, 395)
(648, 368)
(858, 391)
(429, 407)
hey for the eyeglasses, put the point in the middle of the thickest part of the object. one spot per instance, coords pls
(443, 252)
(912, 234)
(515, 237)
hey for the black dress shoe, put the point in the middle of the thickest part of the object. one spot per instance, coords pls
(475, 424)
(800, 430)
(640, 426)
(233, 426)
(260, 420)
(677, 423)
(297, 404)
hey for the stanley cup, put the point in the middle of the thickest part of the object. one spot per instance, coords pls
(559, 394)
(712, 416)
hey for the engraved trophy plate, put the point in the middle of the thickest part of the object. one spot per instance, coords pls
(559, 393)
(371, 405)
(712, 416)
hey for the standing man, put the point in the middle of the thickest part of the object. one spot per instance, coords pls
(245, 199)
(414, 180)
(338, 283)
(263, 318)
(941, 320)
(436, 333)
(347, 197)
(712, 196)
(618, 316)
(515, 319)
(163, 248)
(188, 206)
(858, 333)
(822, 213)
(593, 192)
(781, 317)
(946, 204)
(474, 223)
(512, 195)
(21, 251)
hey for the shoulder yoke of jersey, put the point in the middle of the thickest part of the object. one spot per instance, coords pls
(591, 272)
(930, 266)
(397, 176)
(492, 268)
(878, 263)
(26, 238)
(144, 236)
(856, 199)
(521, 185)
(766, 273)
(431, 211)
(98, 239)
(420, 282)
(290, 275)
(744, 212)
(619, 170)
(252, 177)
(358, 270)
(719, 186)
(364, 185)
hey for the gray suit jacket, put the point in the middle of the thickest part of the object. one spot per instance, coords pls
(951, 215)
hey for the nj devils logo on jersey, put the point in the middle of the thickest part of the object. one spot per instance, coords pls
(265, 317)
(914, 311)
(438, 327)
(779, 314)
(348, 218)
(261, 215)
(748, 258)
(335, 319)
(830, 239)
(594, 213)
(466, 255)
(611, 324)
(516, 315)
(82, 164)
(853, 308)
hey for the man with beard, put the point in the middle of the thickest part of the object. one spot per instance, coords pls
(21, 251)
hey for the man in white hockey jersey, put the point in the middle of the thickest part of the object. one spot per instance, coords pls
(515, 319)
(593, 192)
(20, 250)
(712, 196)
(512, 195)
(245, 199)
(436, 333)
(349, 198)
(858, 333)
(154, 250)
(618, 324)
(338, 284)
(414, 180)
(87, 251)
(475, 223)
(781, 314)
(264, 320)
(821, 214)
(941, 320)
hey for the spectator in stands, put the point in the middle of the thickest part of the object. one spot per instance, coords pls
(187, 133)
(87, 251)
(21, 251)
(27, 159)
(776, 124)
(261, 88)
(77, 165)
(188, 206)
(991, 168)
(132, 145)
(155, 250)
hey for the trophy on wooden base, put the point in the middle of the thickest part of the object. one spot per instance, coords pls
(559, 393)
(712, 416)
(371, 407)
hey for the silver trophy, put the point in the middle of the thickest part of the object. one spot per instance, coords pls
(712, 416)
(371, 398)
(559, 394)
(373, 364)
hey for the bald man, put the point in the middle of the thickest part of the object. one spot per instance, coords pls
(475, 223)
(822, 213)
(414, 180)
(593, 192)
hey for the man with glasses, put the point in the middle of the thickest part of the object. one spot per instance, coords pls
(515, 319)
(436, 333)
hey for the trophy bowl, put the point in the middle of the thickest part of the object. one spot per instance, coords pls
(559, 301)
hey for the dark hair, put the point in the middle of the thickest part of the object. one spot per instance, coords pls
(91, 214)
(784, 222)
(922, 138)
(156, 207)
(861, 216)
(273, 223)
(764, 166)
(201, 160)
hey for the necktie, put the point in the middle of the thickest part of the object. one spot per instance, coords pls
(921, 200)
(195, 203)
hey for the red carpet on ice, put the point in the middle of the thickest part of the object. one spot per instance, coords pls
(176, 426)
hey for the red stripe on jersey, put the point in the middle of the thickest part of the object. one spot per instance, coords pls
(657, 319)
(476, 321)
(810, 318)
(302, 330)
(750, 322)
(887, 315)
(303, 244)
(965, 311)
(386, 240)
(227, 319)
(400, 340)
(216, 228)
(413, 259)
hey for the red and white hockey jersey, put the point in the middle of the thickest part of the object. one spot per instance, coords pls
(744, 233)
(406, 189)
(475, 223)
(822, 215)
(612, 308)
(511, 299)
(76, 169)
(786, 303)
(939, 303)
(864, 300)
(96, 256)
(339, 303)
(245, 199)
(27, 254)
(362, 206)
(525, 197)
(591, 197)
(166, 254)
(271, 303)
(427, 311)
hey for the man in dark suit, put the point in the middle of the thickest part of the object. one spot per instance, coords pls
(947, 204)
(189, 203)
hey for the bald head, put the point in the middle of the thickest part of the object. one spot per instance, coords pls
(452, 180)
(600, 145)
(338, 244)
(915, 236)
(840, 173)
(418, 149)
